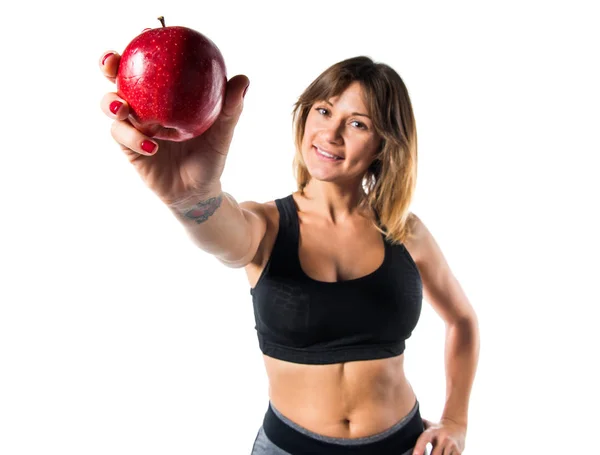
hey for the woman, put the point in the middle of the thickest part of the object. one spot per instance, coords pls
(337, 269)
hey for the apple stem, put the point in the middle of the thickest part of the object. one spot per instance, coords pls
(162, 20)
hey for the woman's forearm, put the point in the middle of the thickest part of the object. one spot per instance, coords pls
(216, 224)
(461, 358)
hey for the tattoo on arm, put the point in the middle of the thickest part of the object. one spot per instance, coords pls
(203, 210)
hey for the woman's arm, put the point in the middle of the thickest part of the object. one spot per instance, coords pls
(220, 226)
(462, 353)
(443, 291)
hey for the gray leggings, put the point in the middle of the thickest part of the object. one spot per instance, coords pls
(264, 446)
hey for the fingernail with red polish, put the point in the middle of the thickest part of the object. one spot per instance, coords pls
(115, 106)
(148, 146)
(106, 56)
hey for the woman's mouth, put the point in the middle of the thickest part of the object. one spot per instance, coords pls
(326, 155)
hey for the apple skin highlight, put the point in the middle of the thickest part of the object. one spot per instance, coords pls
(174, 80)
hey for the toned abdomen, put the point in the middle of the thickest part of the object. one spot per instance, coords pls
(346, 400)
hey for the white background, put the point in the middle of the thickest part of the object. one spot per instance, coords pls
(118, 336)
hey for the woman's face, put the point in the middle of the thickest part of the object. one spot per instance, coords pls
(342, 127)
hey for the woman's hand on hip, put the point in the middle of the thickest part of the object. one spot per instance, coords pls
(446, 437)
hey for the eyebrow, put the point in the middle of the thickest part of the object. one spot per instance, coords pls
(353, 113)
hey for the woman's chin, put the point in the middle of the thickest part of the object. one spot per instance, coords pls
(321, 176)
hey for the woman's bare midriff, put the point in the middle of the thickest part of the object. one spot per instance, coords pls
(344, 400)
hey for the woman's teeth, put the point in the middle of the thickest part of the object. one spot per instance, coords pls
(328, 155)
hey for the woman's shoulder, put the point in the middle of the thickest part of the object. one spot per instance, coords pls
(418, 237)
(269, 214)
(267, 210)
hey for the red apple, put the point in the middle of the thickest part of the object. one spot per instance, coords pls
(173, 79)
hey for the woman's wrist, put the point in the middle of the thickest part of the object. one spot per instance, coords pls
(198, 198)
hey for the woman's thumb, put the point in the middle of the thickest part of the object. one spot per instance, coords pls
(234, 97)
(231, 110)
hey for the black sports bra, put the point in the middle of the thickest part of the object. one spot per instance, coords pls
(302, 320)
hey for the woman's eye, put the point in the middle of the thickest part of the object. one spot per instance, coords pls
(360, 125)
(322, 110)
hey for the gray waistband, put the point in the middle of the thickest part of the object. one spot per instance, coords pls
(349, 441)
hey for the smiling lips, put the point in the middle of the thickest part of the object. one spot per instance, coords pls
(327, 154)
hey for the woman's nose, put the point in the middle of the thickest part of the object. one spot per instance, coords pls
(333, 131)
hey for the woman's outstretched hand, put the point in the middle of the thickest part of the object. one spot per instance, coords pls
(174, 171)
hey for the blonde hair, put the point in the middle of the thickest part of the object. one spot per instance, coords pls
(390, 181)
